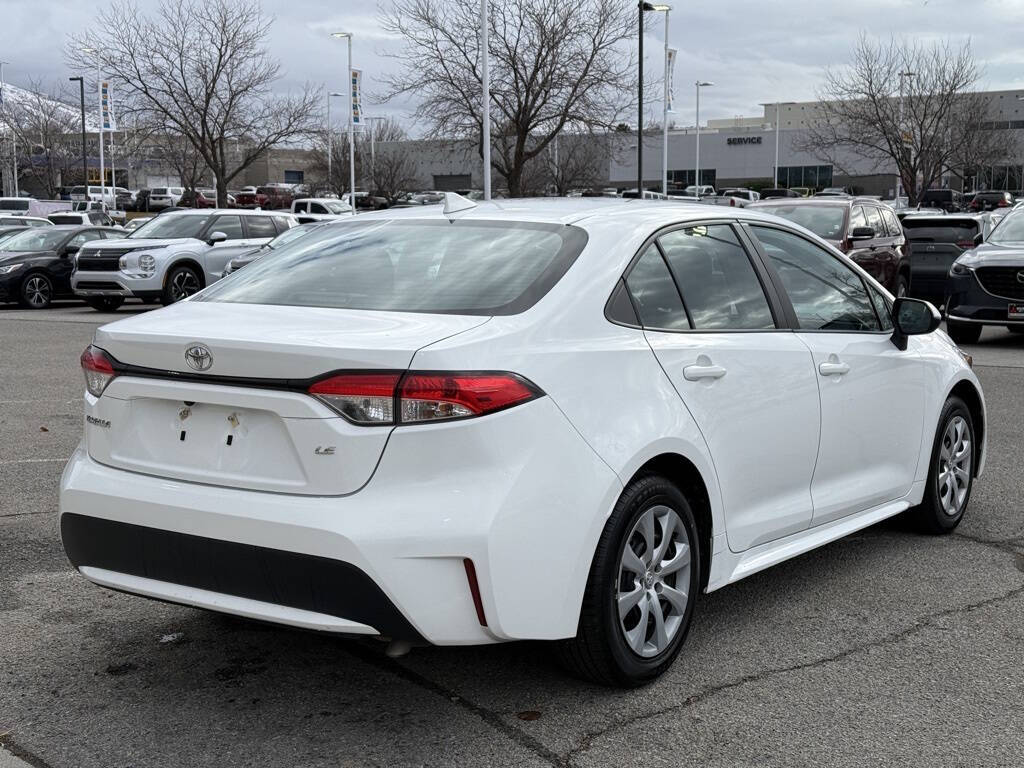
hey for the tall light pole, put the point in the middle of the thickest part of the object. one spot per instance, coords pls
(347, 36)
(696, 165)
(485, 82)
(373, 149)
(85, 161)
(14, 137)
(777, 105)
(899, 173)
(99, 114)
(661, 7)
(330, 142)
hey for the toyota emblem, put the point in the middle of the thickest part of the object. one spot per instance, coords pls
(1020, 277)
(198, 357)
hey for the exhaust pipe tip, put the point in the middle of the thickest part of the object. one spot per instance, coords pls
(397, 649)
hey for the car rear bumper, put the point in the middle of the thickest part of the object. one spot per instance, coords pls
(519, 494)
(969, 302)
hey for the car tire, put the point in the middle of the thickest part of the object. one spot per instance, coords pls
(950, 471)
(633, 650)
(1015, 328)
(180, 283)
(36, 291)
(902, 287)
(105, 303)
(964, 333)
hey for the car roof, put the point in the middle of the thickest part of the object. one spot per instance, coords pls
(239, 211)
(826, 200)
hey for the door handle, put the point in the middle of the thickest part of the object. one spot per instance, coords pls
(833, 368)
(703, 370)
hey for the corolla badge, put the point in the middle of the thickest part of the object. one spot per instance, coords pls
(198, 357)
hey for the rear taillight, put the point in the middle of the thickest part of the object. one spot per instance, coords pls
(1002, 204)
(98, 369)
(418, 397)
(965, 243)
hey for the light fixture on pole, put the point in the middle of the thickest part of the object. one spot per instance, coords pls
(485, 82)
(347, 36)
(642, 6)
(85, 161)
(696, 166)
(663, 8)
(330, 142)
(899, 174)
(777, 105)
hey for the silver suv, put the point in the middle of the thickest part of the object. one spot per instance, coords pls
(172, 256)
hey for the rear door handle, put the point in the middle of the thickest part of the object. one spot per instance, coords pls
(703, 370)
(833, 368)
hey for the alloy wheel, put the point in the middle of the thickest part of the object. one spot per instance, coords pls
(37, 291)
(954, 470)
(184, 284)
(653, 581)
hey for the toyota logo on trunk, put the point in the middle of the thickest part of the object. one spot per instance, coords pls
(198, 357)
(1020, 277)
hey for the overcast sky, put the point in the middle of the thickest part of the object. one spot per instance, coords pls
(754, 50)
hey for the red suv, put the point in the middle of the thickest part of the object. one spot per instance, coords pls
(266, 198)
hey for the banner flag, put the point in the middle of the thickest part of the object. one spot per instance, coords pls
(107, 121)
(357, 87)
(670, 66)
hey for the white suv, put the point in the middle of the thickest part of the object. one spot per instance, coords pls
(172, 256)
(165, 197)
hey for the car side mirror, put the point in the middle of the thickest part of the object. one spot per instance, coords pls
(979, 239)
(216, 237)
(912, 317)
(862, 233)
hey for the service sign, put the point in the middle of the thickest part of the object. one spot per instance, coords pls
(733, 141)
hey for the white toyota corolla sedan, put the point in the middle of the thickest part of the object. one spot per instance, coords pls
(556, 420)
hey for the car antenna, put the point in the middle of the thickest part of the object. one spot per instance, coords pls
(455, 203)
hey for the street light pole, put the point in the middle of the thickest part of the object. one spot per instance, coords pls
(14, 137)
(485, 78)
(330, 138)
(640, 110)
(373, 149)
(664, 113)
(85, 161)
(696, 170)
(347, 36)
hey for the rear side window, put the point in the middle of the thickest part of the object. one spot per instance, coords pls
(718, 283)
(461, 267)
(827, 295)
(260, 226)
(655, 294)
(875, 220)
(895, 230)
(229, 225)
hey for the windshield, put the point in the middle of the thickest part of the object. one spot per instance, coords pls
(464, 267)
(292, 234)
(171, 226)
(34, 239)
(14, 205)
(825, 221)
(1009, 230)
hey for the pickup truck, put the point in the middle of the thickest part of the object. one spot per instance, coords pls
(309, 209)
(94, 206)
(734, 197)
(99, 194)
(265, 197)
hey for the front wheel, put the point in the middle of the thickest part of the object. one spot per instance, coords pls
(641, 590)
(105, 303)
(181, 283)
(36, 291)
(951, 472)
(964, 333)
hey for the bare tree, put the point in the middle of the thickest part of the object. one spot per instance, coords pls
(554, 65)
(178, 153)
(199, 69)
(578, 160)
(935, 128)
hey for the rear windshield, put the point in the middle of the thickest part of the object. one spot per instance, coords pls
(159, 191)
(464, 267)
(65, 219)
(937, 196)
(826, 221)
(171, 225)
(947, 229)
(14, 205)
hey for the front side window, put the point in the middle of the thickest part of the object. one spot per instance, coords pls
(882, 308)
(827, 295)
(317, 208)
(716, 279)
(229, 225)
(462, 267)
(655, 294)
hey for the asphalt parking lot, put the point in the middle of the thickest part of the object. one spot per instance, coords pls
(885, 648)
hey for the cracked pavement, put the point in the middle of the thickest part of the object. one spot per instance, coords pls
(885, 648)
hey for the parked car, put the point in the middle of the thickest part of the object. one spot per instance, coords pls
(125, 199)
(137, 222)
(83, 218)
(203, 198)
(307, 209)
(142, 201)
(172, 256)
(767, 194)
(30, 207)
(165, 197)
(407, 406)
(268, 197)
(865, 230)
(97, 194)
(628, 194)
(741, 193)
(986, 283)
(948, 200)
(36, 263)
(803, 191)
(7, 231)
(286, 237)
(936, 241)
(986, 201)
(24, 221)
(833, 192)
(704, 190)
(94, 206)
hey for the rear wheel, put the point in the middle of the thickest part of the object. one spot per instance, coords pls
(105, 303)
(181, 283)
(902, 286)
(951, 472)
(36, 291)
(964, 333)
(641, 590)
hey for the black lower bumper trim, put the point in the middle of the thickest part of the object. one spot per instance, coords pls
(296, 580)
